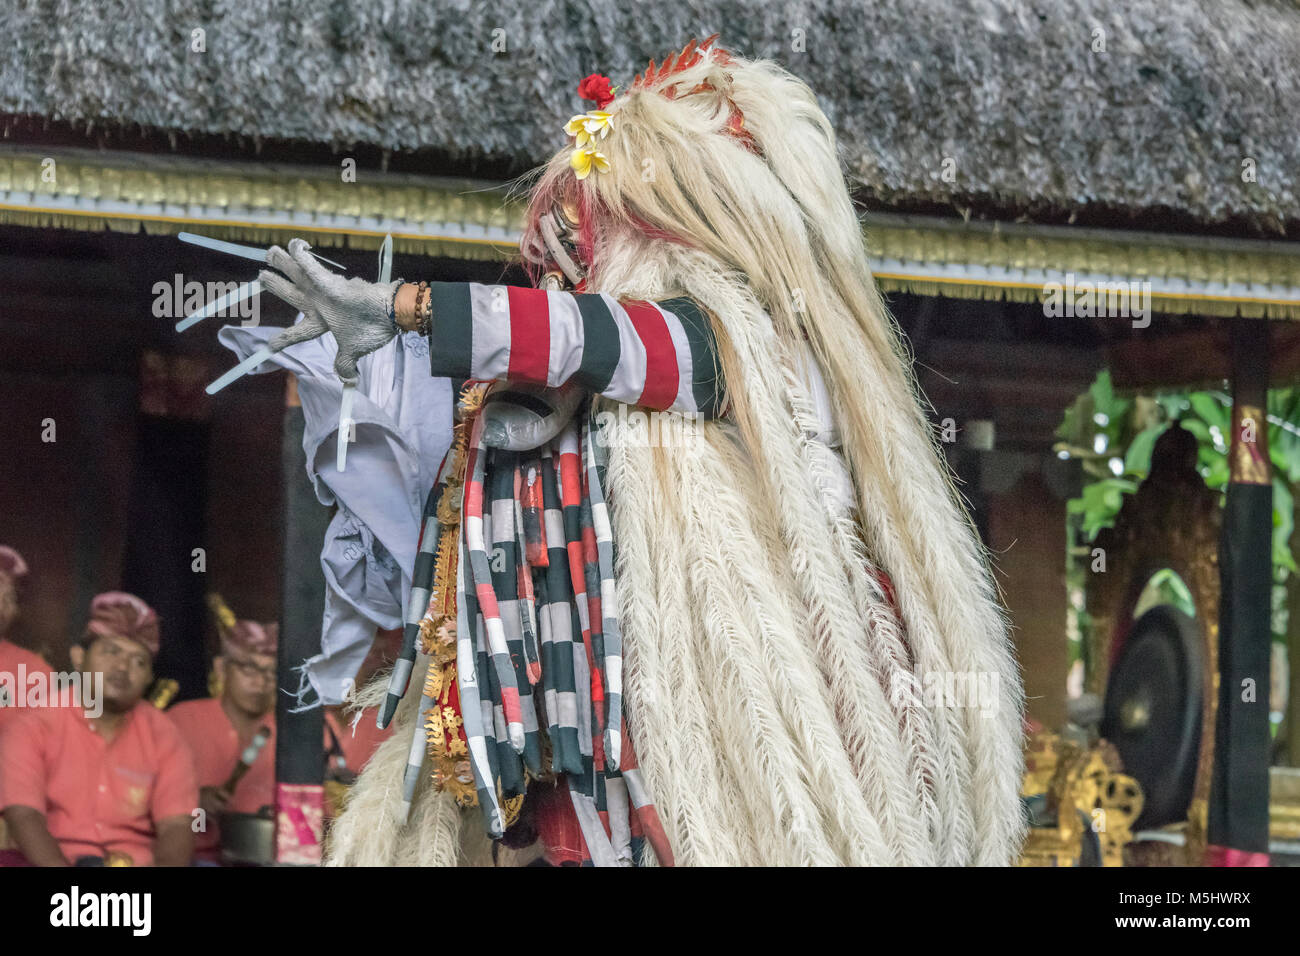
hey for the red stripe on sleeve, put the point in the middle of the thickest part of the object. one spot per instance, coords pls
(530, 335)
(661, 376)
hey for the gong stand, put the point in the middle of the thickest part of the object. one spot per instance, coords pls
(1172, 521)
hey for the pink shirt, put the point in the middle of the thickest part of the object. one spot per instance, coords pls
(360, 746)
(11, 655)
(96, 795)
(216, 747)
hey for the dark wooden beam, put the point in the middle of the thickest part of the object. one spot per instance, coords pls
(300, 734)
(1239, 790)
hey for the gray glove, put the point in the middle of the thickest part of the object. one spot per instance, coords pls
(356, 311)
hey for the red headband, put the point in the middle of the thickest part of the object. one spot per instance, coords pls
(118, 614)
(12, 564)
(253, 637)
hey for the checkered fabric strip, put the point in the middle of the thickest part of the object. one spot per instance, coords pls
(571, 501)
(478, 726)
(546, 648)
(598, 535)
(507, 767)
(506, 567)
(524, 588)
(560, 673)
(416, 605)
(417, 598)
(574, 622)
(422, 576)
(533, 510)
(657, 355)
(644, 813)
(476, 520)
(615, 813)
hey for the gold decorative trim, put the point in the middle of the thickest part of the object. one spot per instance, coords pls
(1249, 463)
(1284, 803)
(451, 767)
(263, 203)
(255, 202)
(983, 260)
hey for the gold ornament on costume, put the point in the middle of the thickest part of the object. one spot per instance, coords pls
(225, 619)
(221, 613)
(451, 771)
(1249, 458)
(163, 692)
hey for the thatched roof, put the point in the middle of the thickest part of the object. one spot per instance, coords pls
(1153, 131)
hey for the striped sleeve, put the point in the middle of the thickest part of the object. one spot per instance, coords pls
(662, 355)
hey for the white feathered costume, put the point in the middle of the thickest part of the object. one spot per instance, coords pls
(781, 700)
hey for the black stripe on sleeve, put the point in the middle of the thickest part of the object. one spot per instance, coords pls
(706, 368)
(451, 353)
(601, 348)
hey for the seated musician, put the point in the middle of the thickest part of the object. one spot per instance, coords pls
(15, 662)
(106, 779)
(12, 571)
(220, 729)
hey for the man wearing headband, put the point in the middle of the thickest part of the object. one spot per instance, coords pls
(218, 730)
(13, 569)
(113, 789)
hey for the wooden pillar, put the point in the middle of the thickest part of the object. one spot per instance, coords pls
(1023, 509)
(1238, 809)
(299, 749)
(165, 559)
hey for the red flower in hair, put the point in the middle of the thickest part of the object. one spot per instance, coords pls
(597, 89)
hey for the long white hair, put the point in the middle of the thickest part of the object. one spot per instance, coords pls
(755, 222)
(777, 704)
